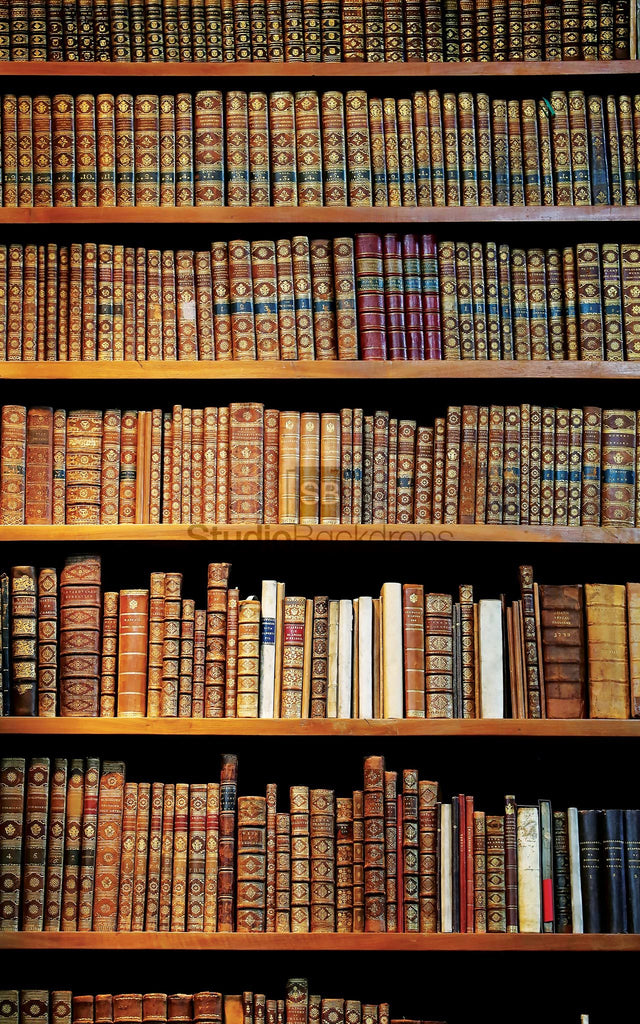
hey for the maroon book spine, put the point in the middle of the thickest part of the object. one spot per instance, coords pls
(370, 297)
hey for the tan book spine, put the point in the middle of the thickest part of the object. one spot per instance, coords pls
(127, 856)
(309, 468)
(212, 841)
(171, 645)
(109, 659)
(141, 856)
(283, 873)
(156, 642)
(289, 468)
(607, 641)
(217, 583)
(633, 632)
(222, 467)
(125, 158)
(292, 657)
(231, 682)
(300, 860)
(322, 861)
(251, 883)
(330, 468)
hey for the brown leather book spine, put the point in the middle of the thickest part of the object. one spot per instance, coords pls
(208, 149)
(23, 619)
(323, 860)
(88, 845)
(618, 462)
(42, 152)
(166, 858)
(13, 450)
(283, 873)
(156, 642)
(292, 657)
(358, 861)
(246, 447)
(35, 832)
(212, 841)
(563, 648)
(319, 665)
(180, 858)
(479, 872)
(607, 641)
(323, 294)
(125, 154)
(80, 607)
(185, 664)
(109, 659)
(222, 466)
(171, 644)
(413, 632)
(374, 868)
(300, 860)
(106, 144)
(200, 633)
(534, 696)
(196, 857)
(633, 637)
(438, 646)
(110, 809)
(226, 849)
(64, 915)
(185, 194)
(344, 864)
(428, 855)
(270, 900)
(392, 473)
(47, 643)
(39, 466)
(410, 851)
(184, 476)
(133, 639)
(231, 682)
(127, 856)
(25, 151)
(141, 854)
(251, 885)
(406, 474)
(217, 583)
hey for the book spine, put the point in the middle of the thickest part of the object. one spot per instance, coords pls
(171, 645)
(109, 659)
(322, 828)
(12, 799)
(35, 831)
(237, 148)
(180, 858)
(300, 860)
(80, 607)
(166, 858)
(55, 845)
(251, 891)
(133, 638)
(109, 832)
(196, 857)
(283, 873)
(374, 871)
(618, 468)
(283, 149)
(86, 881)
(155, 853)
(127, 858)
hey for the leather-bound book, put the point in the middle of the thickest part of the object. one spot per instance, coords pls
(621, 18)
(374, 855)
(308, 148)
(246, 430)
(155, 645)
(408, 842)
(55, 845)
(127, 856)
(633, 637)
(570, 27)
(511, 863)
(300, 907)
(287, 340)
(359, 174)
(258, 139)
(35, 833)
(496, 902)
(200, 632)
(180, 858)
(561, 873)
(297, 1000)
(451, 333)
(562, 169)
(186, 309)
(284, 176)
(25, 151)
(533, 685)
(370, 297)
(427, 855)
(379, 160)
(125, 153)
(618, 464)
(358, 861)
(83, 466)
(479, 872)
(154, 1008)
(248, 659)
(82, 1009)
(309, 468)
(184, 150)
(226, 849)
(265, 299)
(196, 857)
(251, 886)
(590, 307)
(614, 893)
(607, 651)
(344, 864)
(374, 30)
(302, 287)
(270, 875)
(212, 840)
(208, 149)
(334, 154)
(323, 862)
(231, 692)
(394, 297)
(106, 149)
(242, 306)
(42, 152)
(353, 38)
(171, 644)
(179, 1008)
(12, 798)
(292, 657)
(451, 150)
(88, 844)
(591, 469)
(72, 841)
(393, 32)
(61, 1006)
(80, 606)
(632, 868)
(167, 151)
(414, 650)
(323, 294)
(424, 475)
(283, 873)
(86, 151)
(591, 870)
(23, 618)
(217, 584)
(630, 259)
(237, 148)
(612, 302)
(13, 464)
(166, 858)
(110, 808)
(438, 647)
(133, 638)
(563, 651)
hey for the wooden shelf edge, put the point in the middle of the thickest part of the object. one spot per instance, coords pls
(307, 728)
(278, 532)
(436, 369)
(290, 216)
(338, 943)
(344, 69)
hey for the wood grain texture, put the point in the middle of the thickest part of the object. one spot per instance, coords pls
(445, 369)
(279, 532)
(293, 215)
(308, 70)
(317, 942)
(314, 727)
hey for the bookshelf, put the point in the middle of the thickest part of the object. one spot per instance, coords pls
(534, 739)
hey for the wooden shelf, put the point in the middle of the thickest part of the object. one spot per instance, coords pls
(276, 532)
(339, 727)
(338, 943)
(300, 69)
(290, 216)
(235, 369)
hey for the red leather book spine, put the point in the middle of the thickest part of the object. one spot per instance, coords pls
(217, 583)
(208, 149)
(323, 295)
(226, 850)
(13, 451)
(39, 466)
(106, 140)
(127, 857)
(72, 836)
(110, 809)
(370, 297)
(47, 642)
(109, 659)
(80, 607)
(171, 644)
(374, 869)
(196, 857)
(132, 653)
(55, 846)
(35, 832)
(88, 845)
(394, 297)
(155, 855)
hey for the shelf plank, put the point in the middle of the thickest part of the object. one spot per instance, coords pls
(434, 369)
(333, 942)
(290, 216)
(339, 727)
(344, 69)
(278, 532)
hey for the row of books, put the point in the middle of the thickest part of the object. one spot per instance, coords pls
(365, 297)
(316, 30)
(319, 149)
(70, 648)
(242, 463)
(90, 851)
(299, 1006)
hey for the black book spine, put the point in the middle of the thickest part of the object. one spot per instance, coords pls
(590, 869)
(632, 864)
(561, 873)
(615, 889)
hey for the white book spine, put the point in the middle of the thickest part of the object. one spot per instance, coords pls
(392, 674)
(529, 881)
(365, 657)
(491, 669)
(267, 647)
(345, 646)
(574, 871)
(332, 667)
(446, 895)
